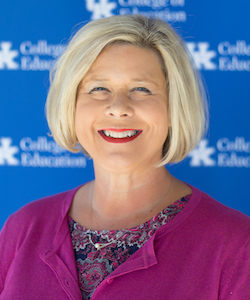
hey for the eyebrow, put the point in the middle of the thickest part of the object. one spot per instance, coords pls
(93, 79)
(96, 79)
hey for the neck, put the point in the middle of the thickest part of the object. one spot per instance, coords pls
(120, 200)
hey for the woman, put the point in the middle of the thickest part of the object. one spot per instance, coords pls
(126, 92)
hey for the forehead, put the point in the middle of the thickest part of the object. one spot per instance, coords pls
(127, 58)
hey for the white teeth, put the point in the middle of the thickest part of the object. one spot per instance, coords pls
(120, 135)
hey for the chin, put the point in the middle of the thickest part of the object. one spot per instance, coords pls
(117, 163)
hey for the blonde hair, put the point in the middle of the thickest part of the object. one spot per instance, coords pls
(187, 105)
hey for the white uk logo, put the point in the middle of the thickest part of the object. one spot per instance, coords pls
(7, 152)
(7, 56)
(100, 8)
(201, 155)
(202, 55)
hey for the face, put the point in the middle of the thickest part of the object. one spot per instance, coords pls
(121, 109)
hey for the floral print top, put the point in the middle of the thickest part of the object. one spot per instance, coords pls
(94, 265)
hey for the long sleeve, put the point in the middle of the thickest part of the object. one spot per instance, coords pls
(237, 287)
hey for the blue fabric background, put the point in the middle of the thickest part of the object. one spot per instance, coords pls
(33, 33)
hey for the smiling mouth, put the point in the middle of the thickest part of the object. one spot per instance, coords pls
(119, 136)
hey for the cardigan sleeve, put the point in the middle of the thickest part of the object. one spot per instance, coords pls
(238, 283)
(7, 249)
(11, 238)
(1, 262)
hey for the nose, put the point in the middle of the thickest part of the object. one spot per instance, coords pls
(119, 106)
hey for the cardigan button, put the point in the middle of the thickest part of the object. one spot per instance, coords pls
(110, 280)
(67, 282)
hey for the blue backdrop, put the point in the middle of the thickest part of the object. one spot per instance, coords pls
(34, 33)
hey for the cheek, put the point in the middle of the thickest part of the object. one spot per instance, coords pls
(85, 118)
(162, 124)
(81, 121)
(159, 116)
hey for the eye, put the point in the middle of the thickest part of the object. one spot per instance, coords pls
(99, 93)
(142, 89)
(98, 89)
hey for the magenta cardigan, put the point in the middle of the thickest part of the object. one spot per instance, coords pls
(202, 254)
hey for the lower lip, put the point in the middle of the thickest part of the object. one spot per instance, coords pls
(120, 140)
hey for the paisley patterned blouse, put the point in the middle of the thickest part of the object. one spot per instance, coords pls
(94, 265)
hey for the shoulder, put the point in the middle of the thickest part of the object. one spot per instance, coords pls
(216, 209)
(213, 216)
(47, 210)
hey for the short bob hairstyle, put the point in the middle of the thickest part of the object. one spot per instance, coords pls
(186, 97)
